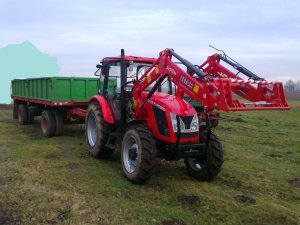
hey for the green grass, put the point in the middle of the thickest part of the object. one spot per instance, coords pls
(54, 181)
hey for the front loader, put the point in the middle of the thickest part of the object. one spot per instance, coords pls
(243, 90)
(148, 123)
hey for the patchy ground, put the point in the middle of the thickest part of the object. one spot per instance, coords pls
(54, 181)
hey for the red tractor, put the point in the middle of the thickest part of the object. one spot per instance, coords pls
(149, 123)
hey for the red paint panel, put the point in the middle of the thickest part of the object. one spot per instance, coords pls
(106, 109)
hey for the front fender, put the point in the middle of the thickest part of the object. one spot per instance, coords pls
(105, 107)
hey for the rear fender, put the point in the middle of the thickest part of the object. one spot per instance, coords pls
(105, 107)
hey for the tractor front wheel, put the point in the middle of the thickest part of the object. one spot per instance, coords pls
(138, 154)
(207, 167)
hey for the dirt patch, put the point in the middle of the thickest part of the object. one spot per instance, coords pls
(188, 200)
(295, 182)
(6, 213)
(6, 217)
(75, 166)
(245, 199)
(53, 155)
(173, 222)
(275, 155)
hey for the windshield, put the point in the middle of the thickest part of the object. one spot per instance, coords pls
(134, 71)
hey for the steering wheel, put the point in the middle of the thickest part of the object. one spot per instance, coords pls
(127, 88)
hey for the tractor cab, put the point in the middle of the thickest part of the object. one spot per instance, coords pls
(116, 75)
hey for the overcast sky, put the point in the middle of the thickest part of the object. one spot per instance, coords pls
(262, 35)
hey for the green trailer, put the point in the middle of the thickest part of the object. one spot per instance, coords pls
(58, 89)
(59, 100)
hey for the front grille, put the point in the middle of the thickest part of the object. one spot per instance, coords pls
(189, 135)
(187, 121)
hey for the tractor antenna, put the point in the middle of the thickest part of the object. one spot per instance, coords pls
(219, 50)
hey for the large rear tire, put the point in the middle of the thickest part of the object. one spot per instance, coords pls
(138, 154)
(97, 132)
(48, 123)
(23, 114)
(207, 168)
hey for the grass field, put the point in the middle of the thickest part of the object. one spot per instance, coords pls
(55, 181)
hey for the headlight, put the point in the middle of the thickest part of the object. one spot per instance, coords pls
(195, 123)
(174, 122)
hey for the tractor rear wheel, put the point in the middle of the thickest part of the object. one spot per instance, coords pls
(207, 167)
(97, 132)
(138, 153)
(23, 114)
(48, 124)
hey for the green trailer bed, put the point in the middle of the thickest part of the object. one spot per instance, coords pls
(58, 89)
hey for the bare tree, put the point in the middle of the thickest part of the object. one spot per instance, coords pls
(292, 87)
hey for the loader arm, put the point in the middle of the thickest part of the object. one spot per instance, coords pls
(208, 89)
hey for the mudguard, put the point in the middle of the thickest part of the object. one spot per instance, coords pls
(105, 107)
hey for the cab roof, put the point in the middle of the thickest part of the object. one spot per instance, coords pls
(130, 58)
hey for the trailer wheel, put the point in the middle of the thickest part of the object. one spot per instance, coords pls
(97, 132)
(23, 114)
(59, 122)
(30, 115)
(138, 154)
(15, 111)
(48, 123)
(207, 168)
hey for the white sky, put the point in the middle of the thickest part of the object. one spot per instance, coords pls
(262, 35)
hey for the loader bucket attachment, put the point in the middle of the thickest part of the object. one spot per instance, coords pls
(252, 93)
(241, 95)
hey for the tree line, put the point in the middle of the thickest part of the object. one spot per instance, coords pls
(292, 86)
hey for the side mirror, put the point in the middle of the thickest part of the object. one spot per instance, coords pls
(98, 66)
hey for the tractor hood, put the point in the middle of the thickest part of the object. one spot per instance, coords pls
(171, 103)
